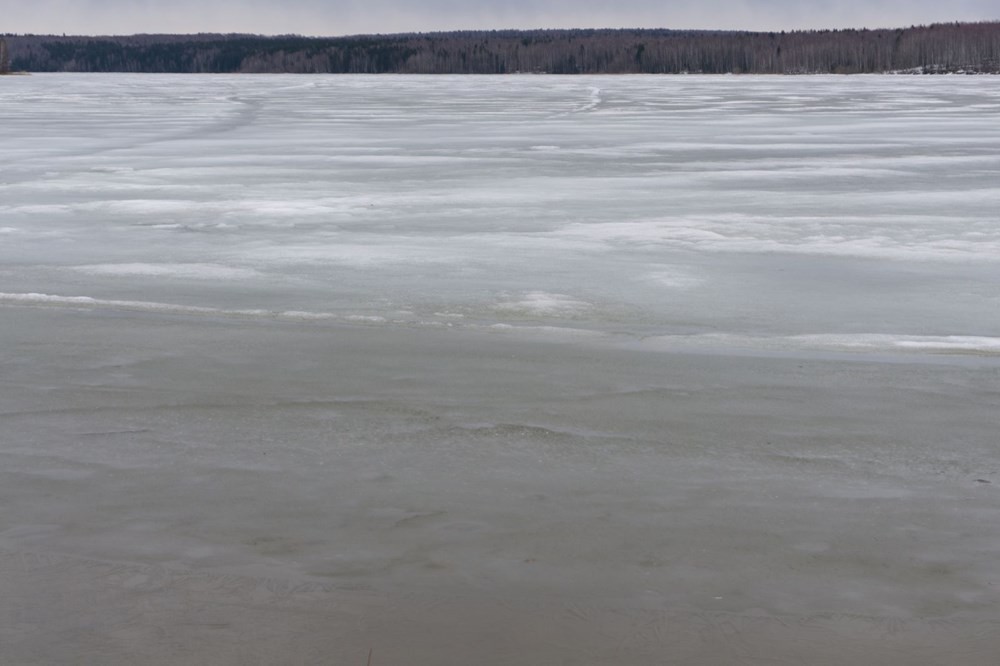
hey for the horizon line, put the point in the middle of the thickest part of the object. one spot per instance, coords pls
(497, 30)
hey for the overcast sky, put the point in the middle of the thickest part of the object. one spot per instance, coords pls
(343, 17)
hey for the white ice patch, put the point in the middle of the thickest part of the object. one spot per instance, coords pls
(302, 314)
(595, 100)
(182, 271)
(140, 207)
(952, 343)
(112, 169)
(367, 319)
(356, 255)
(568, 334)
(874, 238)
(88, 302)
(971, 344)
(269, 208)
(860, 342)
(673, 279)
(265, 208)
(544, 304)
(943, 343)
(36, 209)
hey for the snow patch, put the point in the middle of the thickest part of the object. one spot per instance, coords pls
(543, 303)
(183, 271)
(674, 279)
(858, 342)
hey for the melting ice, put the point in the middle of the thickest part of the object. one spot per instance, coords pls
(756, 210)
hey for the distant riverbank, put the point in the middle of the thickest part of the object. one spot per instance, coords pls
(961, 48)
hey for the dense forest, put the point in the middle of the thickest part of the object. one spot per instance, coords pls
(4, 57)
(952, 47)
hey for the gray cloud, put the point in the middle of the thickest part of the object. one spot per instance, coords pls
(339, 17)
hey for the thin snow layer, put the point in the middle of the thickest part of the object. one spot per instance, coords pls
(91, 303)
(185, 271)
(743, 208)
(900, 238)
(542, 303)
(539, 305)
(972, 344)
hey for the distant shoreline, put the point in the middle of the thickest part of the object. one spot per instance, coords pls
(946, 48)
(518, 74)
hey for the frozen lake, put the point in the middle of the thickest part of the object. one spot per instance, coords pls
(499, 370)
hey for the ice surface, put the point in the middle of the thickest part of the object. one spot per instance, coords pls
(499, 370)
(751, 206)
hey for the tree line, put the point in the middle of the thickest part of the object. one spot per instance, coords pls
(950, 47)
(4, 57)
